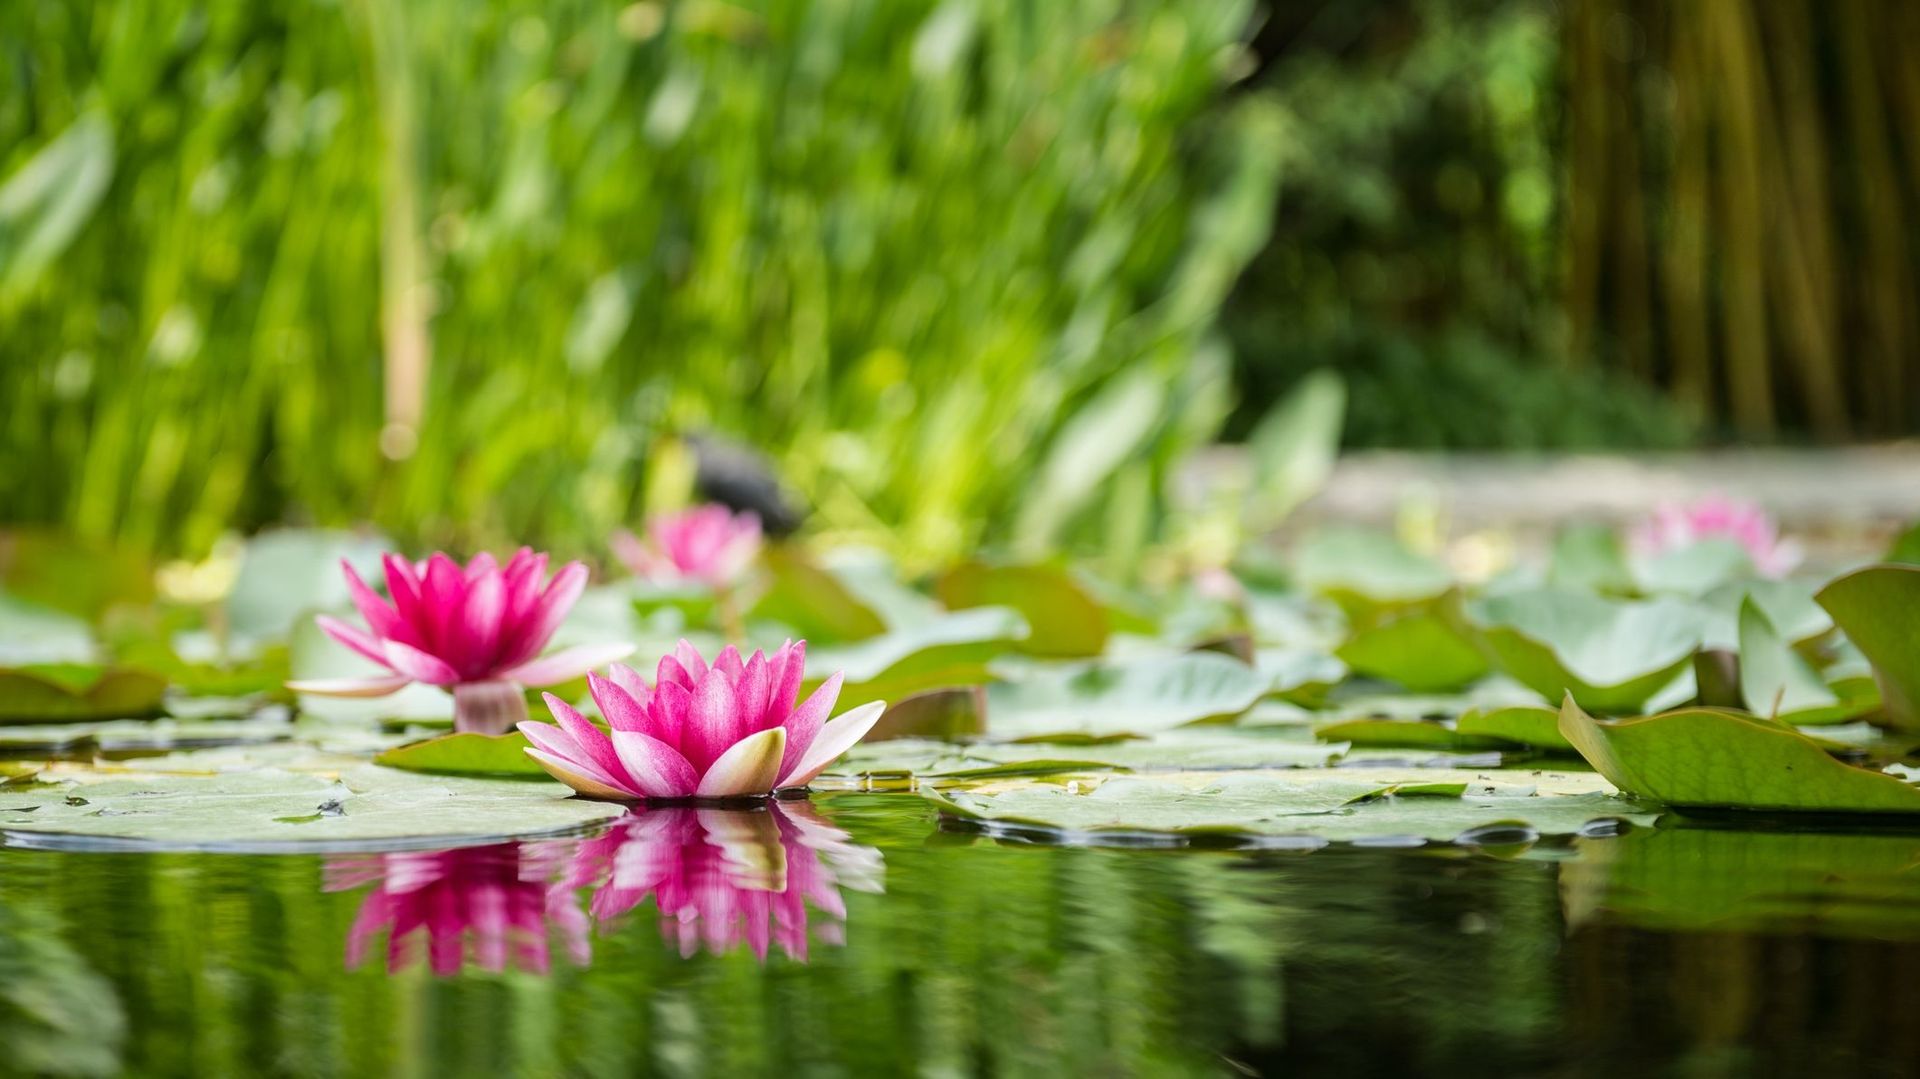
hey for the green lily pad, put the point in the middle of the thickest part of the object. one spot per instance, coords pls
(1422, 650)
(273, 810)
(1363, 570)
(65, 693)
(141, 735)
(1878, 608)
(1525, 725)
(1406, 733)
(465, 754)
(1694, 569)
(1299, 808)
(1064, 619)
(1788, 604)
(1301, 675)
(1192, 749)
(32, 634)
(1613, 656)
(1590, 558)
(1777, 681)
(1139, 697)
(960, 640)
(290, 571)
(812, 601)
(1711, 759)
(954, 712)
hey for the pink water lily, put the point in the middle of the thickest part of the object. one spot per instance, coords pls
(1673, 526)
(728, 730)
(477, 629)
(493, 907)
(720, 877)
(710, 544)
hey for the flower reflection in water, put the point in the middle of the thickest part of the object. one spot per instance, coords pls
(491, 906)
(719, 878)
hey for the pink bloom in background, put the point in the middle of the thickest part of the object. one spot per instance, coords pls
(729, 730)
(711, 544)
(492, 907)
(476, 629)
(1674, 526)
(721, 877)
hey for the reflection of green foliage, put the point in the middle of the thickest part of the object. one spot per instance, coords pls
(57, 1016)
(902, 246)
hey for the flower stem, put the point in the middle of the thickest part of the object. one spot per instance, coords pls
(728, 610)
(488, 707)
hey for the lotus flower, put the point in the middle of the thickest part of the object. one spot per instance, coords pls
(725, 731)
(490, 906)
(720, 877)
(710, 544)
(476, 629)
(1673, 526)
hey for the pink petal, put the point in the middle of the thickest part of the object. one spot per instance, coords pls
(805, 722)
(566, 664)
(787, 668)
(547, 612)
(749, 767)
(581, 779)
(479, 566)
(669, 672)
(629, 679)
(751, 690)
(524, 576)
(622, 711)
(838, 736)
(658, 770)
(418, 665)
(552, 739)
(443, 595)
(357, 639)
(713, 720)
(671, 702)
(380, 616)
(403, 584)
(729, 661)
(478, 629)
(350, 687)
(595, 748)
(690, 661)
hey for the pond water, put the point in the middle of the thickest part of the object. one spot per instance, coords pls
(894, 945)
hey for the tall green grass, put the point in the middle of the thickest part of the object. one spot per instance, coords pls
(455, 267)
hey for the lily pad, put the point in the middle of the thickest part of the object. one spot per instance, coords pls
(1590, 558)
(466, 753)
(1139, 697)
(1301, 675)
(1788, 604)
(1193, 749)
(1525, 725)
(1300, 808)
(1777, 681)
(1693, 569)
(954, 712)
(1064, 619)
(65, 693)
(1878, 608)
(32, 634)
(1712, 759)
(1422, 650)
(812, 601)
(1613, 656)
(1363, 570)
(286, 572)
(1407, 733)
(270, 810)
(955, 646)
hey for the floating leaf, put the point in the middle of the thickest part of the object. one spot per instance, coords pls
(1301, 675)
(1422, 650)
(811, 600)
(1703, 758)
(30, 634)
(1788, 604)
(1299, 808)
(465, 753)
(272, 810)
(1589, 558)
(1411, 733)
(1063, 619)
(1612, 656)
(1693, 569)
(64, 693)
(955, 712)
(1777, 681)
(1362, 570)
(1135, 698)
(1179, 750)
(288, 573)
(1525, 725)
(1878, 608)
(72, 575)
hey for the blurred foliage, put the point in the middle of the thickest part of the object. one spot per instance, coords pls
(1521, 223)
(453, 268)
